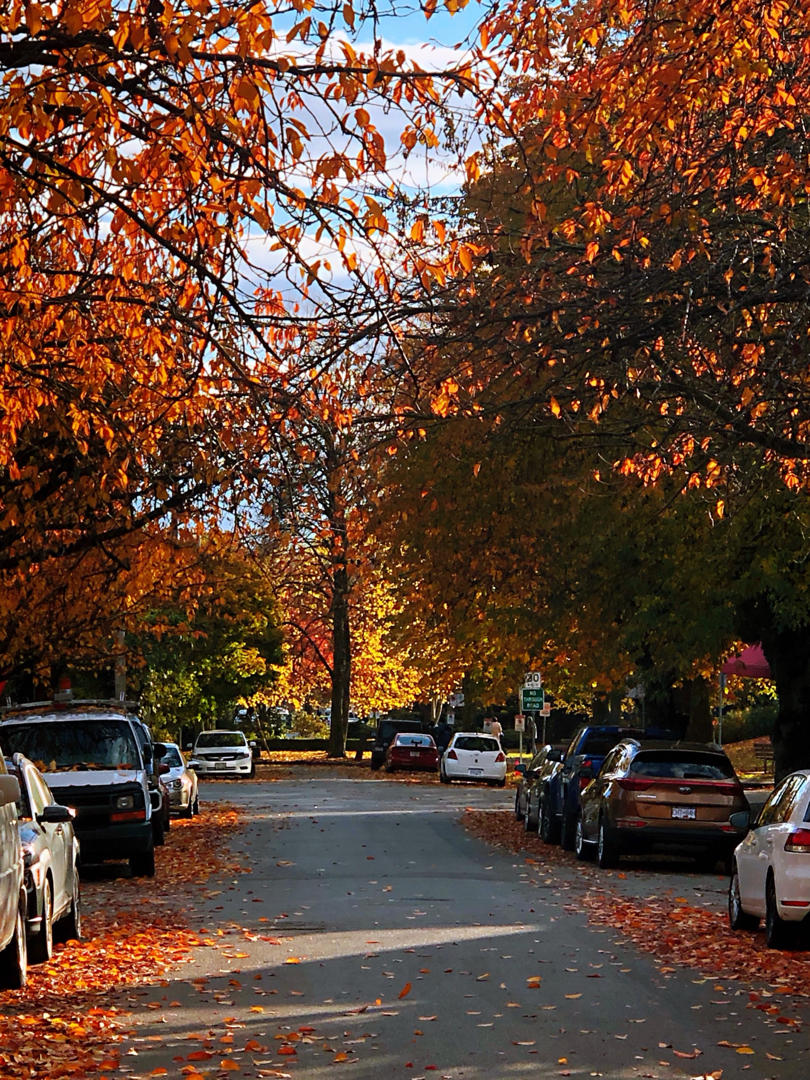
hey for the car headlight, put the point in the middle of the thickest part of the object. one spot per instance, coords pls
(125, 802)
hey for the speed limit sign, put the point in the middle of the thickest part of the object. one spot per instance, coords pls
(533, 680)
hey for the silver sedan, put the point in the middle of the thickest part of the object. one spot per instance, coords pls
(180, 781)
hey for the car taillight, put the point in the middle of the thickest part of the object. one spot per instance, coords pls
(500, 756)
(630, 783)
(452, 754)
(798, 840)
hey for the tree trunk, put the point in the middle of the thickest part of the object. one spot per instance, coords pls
(787, 652)
(699, 725)
(341, 664)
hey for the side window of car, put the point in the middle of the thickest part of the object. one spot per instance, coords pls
(611, 763)
(781, 803)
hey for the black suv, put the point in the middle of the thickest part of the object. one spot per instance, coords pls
(386, 730)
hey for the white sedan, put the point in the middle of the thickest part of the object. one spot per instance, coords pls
(770, 875)
(471, 756)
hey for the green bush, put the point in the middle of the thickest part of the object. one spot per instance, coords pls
(749, 723)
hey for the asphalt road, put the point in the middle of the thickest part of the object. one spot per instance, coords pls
(375, 937)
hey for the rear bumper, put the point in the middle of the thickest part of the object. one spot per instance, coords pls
(663, 838)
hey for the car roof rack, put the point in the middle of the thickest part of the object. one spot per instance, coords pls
(70, 705)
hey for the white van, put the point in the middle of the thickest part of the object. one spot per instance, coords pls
(93, 758)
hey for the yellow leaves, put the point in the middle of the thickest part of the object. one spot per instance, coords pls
(554, 405)
(246, 90)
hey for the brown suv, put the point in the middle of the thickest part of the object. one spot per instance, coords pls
(670, 798)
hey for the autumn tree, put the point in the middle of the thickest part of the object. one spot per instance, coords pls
(188, 193)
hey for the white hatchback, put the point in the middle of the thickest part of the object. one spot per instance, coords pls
(472, 756)
(770, 876)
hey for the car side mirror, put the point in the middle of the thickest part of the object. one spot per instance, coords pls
(54, 814)
(555, 755)
(742, 819)
(163, 768)
(585, 772)
(159, 749)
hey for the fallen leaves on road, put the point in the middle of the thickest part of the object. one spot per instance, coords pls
(63, 1024)
(670, 928)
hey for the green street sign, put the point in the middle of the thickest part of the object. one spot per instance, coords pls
(532, 699)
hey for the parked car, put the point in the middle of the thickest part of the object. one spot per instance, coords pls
(221, 753)
(157, 794)
(387, 728)
(93, 758)
(412, 750)
(13, 898)
(472, 756)
(51, 859)
(559, 793)
(532, 777)
(181, 782)
(770, 873)
(655, 797)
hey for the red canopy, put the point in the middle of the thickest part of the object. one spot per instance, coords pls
(751, 663)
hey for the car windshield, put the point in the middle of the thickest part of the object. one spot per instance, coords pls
(220, 738)
(477, 742)
(72, 745)
(682, 766)
(414, 740)
(172, 758)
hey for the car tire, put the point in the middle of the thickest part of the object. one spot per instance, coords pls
(519, 815)
(568, 830)
(530, 820)
(196, 806)
(737, 918)
(499, 783)
(445, 779)
(40, 948)
(14, 958)
(375, 763)
(778, 933)
(69, 927)
(158, 831)
(607, 851)
(581, 847)
(547, 826)
(188, 811)
(252, 774)
(143, 864)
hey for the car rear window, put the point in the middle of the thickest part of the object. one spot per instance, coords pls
(682, 766)
(477, 742)
(599, 745)
(413, 740)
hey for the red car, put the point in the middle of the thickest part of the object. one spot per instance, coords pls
(412, 750)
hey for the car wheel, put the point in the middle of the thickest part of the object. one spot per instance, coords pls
(158, 832)
(582, 848)
(375, 763)
(737, 918)
(143, 864)
(500, 783)
(188, 811)
(607, 852)
(530, 821)
(445, 779)
(547, 826)
(40, 948)
(568, 832)
(14, 958)
(252, 774)
(196, 806)
(778, 933)
(519, 815)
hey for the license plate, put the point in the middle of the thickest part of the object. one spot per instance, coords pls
(475, 772)
(686, 812)
(414, 753)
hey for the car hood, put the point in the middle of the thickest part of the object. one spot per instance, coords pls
(57, 781)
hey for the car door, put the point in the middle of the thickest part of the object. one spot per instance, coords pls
(57, 835)
(593, 795)
(755, 854)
